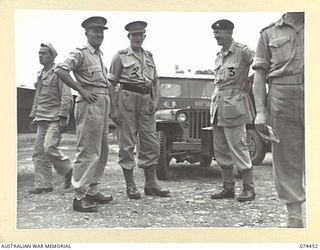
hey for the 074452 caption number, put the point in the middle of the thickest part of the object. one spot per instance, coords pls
(305, 245)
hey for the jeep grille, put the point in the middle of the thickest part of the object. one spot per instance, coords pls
(197, 120)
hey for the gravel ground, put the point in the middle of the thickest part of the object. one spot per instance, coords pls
(189, 205)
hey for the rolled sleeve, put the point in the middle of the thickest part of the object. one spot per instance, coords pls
(260, 63)
(262, 58)
(248, 55)
(115, 69)
(72, 62)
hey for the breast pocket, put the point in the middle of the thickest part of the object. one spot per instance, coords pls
(49, 87)
(281, 49)
(95, 73)
(132, 69)
(149, 69)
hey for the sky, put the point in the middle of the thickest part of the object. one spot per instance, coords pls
(174, 38)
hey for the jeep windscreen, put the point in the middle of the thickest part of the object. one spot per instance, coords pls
(177, 93)
(170, 90)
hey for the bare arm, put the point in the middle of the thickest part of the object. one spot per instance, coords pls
(113, 78)
(114, 112)
(259, 92)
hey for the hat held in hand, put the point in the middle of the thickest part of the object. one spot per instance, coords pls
(267, 133)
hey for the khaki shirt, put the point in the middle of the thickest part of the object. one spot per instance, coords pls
(230, 103)
(52, 97)
(127, 68)
(280, 50)
(87, 66)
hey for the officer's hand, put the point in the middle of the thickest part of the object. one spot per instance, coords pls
(115, 117)
(63, 124)
(33, 125)
(260, 118)
(148, 83)
(88, 96)
(153, 108)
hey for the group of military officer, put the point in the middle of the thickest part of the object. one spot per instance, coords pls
(279, 60)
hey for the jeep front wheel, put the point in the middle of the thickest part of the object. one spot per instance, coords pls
(256, 147)
(163, 163)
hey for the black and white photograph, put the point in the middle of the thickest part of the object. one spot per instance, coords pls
(154, 120)
(172, 142)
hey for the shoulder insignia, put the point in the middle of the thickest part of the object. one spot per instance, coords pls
(269, 26)
(148, 53)
(123, 51)
(82, 47)
(240, 45)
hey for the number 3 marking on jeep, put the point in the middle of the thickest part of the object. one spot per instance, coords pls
(231, 71)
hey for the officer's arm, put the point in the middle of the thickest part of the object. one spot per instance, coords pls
(66, 101)
(259, 92)
(67, 79)
(113, 78)
(35, 101)
(156, 91)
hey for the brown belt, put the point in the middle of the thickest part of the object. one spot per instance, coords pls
(145, 90)
(287, 80)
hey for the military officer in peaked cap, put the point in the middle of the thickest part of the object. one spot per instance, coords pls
(231, 109)
(95, 22)
(91, 114)
(134, 69)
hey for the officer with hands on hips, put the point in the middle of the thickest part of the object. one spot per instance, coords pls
(91, 115)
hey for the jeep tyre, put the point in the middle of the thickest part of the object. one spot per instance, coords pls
(163, 162)
(256, 146)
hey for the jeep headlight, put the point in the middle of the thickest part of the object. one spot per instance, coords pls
(182, 117)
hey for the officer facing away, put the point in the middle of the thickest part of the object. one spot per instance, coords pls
(231, 109)
(91, 115)
(134, 69)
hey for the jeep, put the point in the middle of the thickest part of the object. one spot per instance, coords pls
(183, 123)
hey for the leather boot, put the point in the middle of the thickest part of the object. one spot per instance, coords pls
(226, 192)
(247, 194)
(294, 223)
(294, 215)
(151, 186)
(84, 205)
(132, 191)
